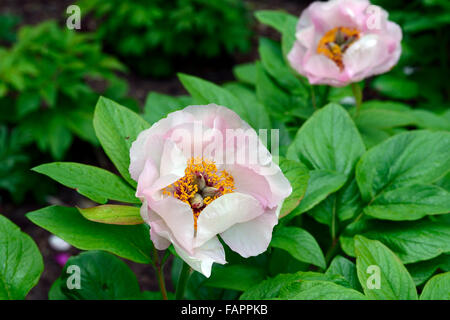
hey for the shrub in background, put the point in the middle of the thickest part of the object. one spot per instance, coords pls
(152, 35)
(47, 81)
(8, 23)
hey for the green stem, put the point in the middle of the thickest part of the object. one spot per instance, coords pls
(160, 274)
(313, 98)
(332, 250)
(357, 92)
(182, 281)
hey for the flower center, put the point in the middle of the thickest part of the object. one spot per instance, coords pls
(201, 184)
(335, 42)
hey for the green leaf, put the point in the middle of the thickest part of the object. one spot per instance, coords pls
(113, 214)
(95, 183)
(102, 277)
(298, 176)
(129, 242)
(430, 120)
(235, 277)
(384, 114)
(274, 19)
(396, 87)
(437, 288)
(410, 241)
(276, 101)
(205, 92)
(300, 244)
(158, 106)
(258, 118)
(21, 263)
(321, 183)
(342, 205)
(414, 157)
(270, 288)
(398, 204)
(117, 128)
(395, 281)
(423, 270)
(328, 140)
(273, 62)
(27, 102)
(318, 290)
(344, 267)
(245, 73)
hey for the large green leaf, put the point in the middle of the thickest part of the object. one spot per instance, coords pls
(300, 244)
(342, 205)
(321, 183)
(395, 281)
(437, 288)
(21, 263)
(344, 267)
(130, 242)
(318, 290)
(384, 114)
(102, 277)
(328, 140)
(298, 176)
(205, 92)
(277, 101)
(158, 106)
(396, 87)
(95, 183)
(275, 19)
(258, 118)
(270, 288)
(273, 62)
(410, 241)
(113, 214)
(423, 270)
(415, 157)
(410, 203)
(117, 128)
(235, 277)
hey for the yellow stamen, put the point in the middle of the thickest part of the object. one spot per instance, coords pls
(335, 42)
(187, 187)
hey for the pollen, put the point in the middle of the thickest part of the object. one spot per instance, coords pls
(335, 42)
(201, 185)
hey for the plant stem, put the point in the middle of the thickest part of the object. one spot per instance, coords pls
(332, 250)
(357, 92)
(313, 98)
(159, 271)
(182, 281)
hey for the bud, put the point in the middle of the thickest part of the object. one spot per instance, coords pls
(200, 182)
(196, 201)
(209, 192)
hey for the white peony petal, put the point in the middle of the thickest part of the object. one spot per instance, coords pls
(251, 238)
(204, 256)
(223, 213)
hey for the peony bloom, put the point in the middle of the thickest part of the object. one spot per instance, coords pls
(343, 41)
(197, 181)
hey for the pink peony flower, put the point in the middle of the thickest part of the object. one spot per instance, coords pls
(197, 180)
(343, 41)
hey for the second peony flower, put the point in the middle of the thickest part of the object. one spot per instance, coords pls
(203, 172)
(339, 42)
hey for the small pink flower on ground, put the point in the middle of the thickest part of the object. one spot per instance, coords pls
(61, 258)
(339, 42)
(198, 180)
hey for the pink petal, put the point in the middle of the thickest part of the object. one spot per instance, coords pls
(203, 257)
(223, 213)
(251, 238)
